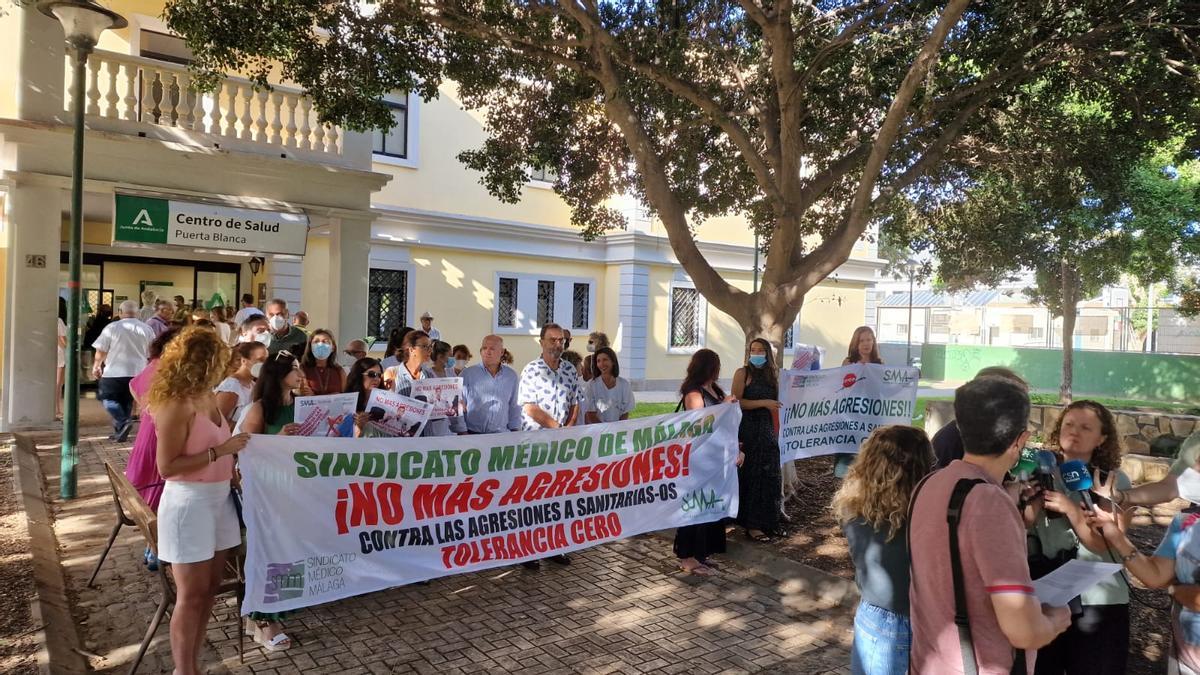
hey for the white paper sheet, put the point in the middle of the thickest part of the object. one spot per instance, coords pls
(1057, 588)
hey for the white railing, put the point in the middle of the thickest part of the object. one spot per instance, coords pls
(132, 93)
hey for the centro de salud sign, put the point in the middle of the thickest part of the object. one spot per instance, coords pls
(149, 220)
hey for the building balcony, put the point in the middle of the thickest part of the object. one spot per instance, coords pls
(158, 99)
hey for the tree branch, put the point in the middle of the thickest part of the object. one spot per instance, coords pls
(836, 249)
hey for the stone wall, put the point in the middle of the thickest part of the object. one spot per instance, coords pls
(1139, 429)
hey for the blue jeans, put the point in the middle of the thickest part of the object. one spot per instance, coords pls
(114, 395)
(882, 640)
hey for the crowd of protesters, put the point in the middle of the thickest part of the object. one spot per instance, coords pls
(946, 536)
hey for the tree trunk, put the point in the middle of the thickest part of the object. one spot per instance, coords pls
(1070, 292)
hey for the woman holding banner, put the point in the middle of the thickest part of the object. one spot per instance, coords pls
(608, 397)
(365, 375)
(872, 508)
(760, 478)
(694, 543)
(863, 349)
(197, 519)
(273, 412)
(415, 353)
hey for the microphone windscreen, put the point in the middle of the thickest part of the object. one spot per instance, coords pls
(1046, 460)
(1076, 477)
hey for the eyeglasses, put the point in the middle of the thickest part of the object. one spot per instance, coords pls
(424, 347)
(373, 374)
(284, 354)
(356, 352)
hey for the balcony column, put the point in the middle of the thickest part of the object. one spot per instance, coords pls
(40, 52)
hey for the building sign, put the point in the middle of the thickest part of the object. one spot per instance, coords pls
(148, 220)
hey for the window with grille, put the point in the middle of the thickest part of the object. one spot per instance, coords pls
(789, 337)
(387, 301)
(394, 141)
(581, 297)
(543, 174)
(545, 302)
(506, 302)
(685, 318)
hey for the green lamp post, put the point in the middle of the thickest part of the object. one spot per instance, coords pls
(82, 22)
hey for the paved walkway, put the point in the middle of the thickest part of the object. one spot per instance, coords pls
(619, 608)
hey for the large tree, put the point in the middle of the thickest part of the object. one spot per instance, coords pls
(1082, 211)
(808, 118)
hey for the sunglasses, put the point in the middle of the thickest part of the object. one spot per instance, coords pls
(283, 353)
(373, 374)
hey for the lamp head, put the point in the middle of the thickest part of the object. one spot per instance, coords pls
(82, 20)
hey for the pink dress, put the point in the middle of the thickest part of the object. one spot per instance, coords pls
(142, 469)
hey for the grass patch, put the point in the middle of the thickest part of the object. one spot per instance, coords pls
(652, 409)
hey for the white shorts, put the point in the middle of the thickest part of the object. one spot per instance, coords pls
(195, 520)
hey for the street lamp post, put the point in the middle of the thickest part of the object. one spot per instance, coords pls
(82, 22)
(911, 266)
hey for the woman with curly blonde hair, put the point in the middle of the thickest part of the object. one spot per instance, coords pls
(872, 508)
(197, 522)
(1097, 640)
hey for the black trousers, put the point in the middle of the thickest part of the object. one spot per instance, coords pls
(1097, 643)
(699, 541)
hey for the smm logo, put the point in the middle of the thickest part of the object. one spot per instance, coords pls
(285, 581)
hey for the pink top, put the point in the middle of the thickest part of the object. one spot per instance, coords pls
(202, 436)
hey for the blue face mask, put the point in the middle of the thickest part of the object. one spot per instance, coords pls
(322, 350)
(450, 362)
(758, 360)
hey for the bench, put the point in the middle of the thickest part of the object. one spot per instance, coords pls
(132, 511)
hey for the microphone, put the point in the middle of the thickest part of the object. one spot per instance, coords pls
(1048, 477)
(1026, 466)
(1077, 479)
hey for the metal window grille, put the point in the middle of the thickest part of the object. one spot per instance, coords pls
(545, 302)
(579, 305)
(543, 174)
(685, 317)
(789, 337)
(506, 302)
(394, 141)
(387, 301)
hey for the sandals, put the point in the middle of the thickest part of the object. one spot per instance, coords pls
(761, 537)
(699, 570)
(257, 629)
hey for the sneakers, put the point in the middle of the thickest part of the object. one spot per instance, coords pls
(150, 560)
(122, 434)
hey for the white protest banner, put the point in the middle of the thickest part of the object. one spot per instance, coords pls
(329, 415)
(444, 393)
(831, 411)
(395, 414)
(329, 518)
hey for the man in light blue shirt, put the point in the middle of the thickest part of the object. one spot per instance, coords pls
(490, 391)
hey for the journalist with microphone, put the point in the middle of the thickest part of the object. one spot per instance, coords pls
(1085, 439)
(972, 603)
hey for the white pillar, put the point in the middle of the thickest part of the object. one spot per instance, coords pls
(283, 280)
(633, 316)
(34, 217)
(349, 269)
(40, 57)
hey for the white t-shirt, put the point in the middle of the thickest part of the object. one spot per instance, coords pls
(127, 343)
(224, 331)
(233, 386)
(62, 351)
(434, 334)
(609, 404)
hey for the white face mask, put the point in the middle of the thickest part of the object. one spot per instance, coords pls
(591, 346)
(256, 370)
(277, 322)
(1188, 484)
(263, 338)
